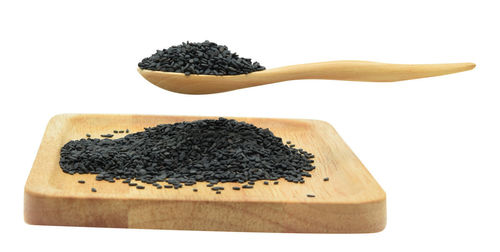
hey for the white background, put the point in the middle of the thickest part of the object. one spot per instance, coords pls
(432, 144)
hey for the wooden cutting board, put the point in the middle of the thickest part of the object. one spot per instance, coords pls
(350, 202)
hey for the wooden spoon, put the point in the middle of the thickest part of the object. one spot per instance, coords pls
(333, 70)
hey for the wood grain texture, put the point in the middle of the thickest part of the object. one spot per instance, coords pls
(332, 70)
(351, 202)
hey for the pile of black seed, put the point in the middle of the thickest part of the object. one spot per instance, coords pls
(206, 58)
(188, 152)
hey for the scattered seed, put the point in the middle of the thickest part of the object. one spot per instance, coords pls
(115, 131)
(311, 195)
(126, 131)
(93, 189)
(132, 184)
(87, 135)
(218, 192)
(247, 186)
(184, 153)
(236, 188)
(121, 131)
(276, 182)
(81, 181)
(168, 186)
(326, 179)
(140, 187)
(107, 135)
(195, 190)
(288, 142)
(292, 145)
(266, 183)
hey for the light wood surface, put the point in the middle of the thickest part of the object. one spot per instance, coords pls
(333, 70)
(351, 202)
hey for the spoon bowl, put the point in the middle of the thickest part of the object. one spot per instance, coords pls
(333, 70)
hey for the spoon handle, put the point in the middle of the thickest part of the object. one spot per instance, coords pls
(369, 71)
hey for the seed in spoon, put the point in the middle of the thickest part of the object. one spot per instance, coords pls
(205, 58)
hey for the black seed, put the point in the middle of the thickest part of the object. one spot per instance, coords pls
(93, 189)
(236, 188)
(195, 190)
(247, 186)
(115, 131)
(292, 145)
(167, 186)
(199, 58)
(87, 135)
(218, 192)
(184, 153)
(276, 182)
(126, 131)
(288, 142)
(266, 183)
(326, 179)
(311, 195)
(107, 135)
(81, 181)
(140, 187)
(121, 131)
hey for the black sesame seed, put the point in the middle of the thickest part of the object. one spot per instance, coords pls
(126, 131)
(81, 181)
(195, 190)
(218, 192)
(276, 182)
(206, 58)
(107, 135)
(140, 187)
(87, 135)
(115, 131)
(326, 179)
(236, 188)
(311, 195)
(288, 142)
(247, 186)
(93, 189)
(266, 183)
(167, 186)
(121, 131)
(184, 153)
